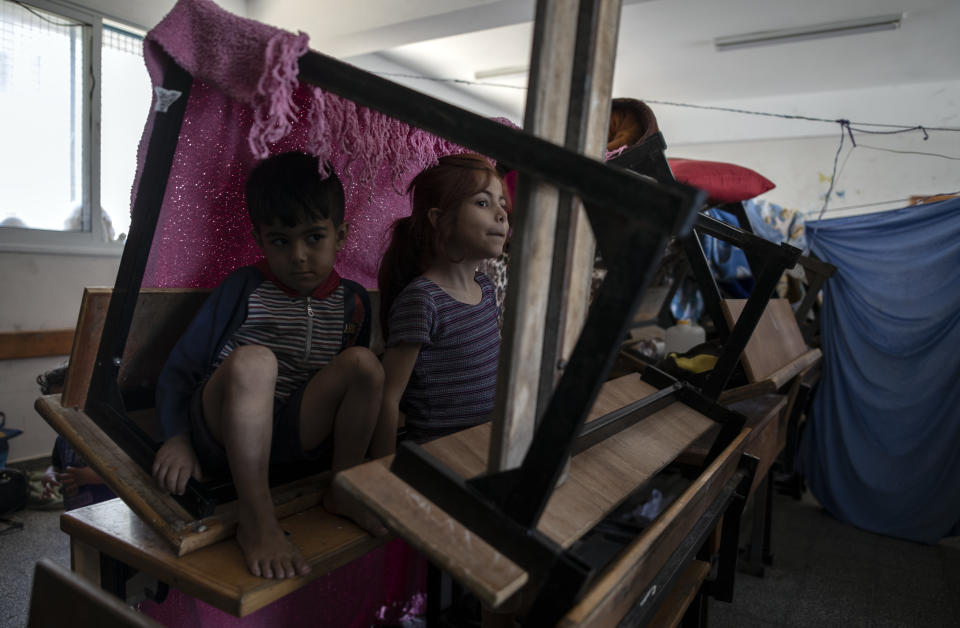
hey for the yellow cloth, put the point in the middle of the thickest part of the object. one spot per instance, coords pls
(697, 364)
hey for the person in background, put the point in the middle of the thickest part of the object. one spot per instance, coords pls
(68, 471)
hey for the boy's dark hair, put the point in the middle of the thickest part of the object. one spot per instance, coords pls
(289, 188)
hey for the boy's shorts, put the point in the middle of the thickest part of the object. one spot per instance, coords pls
(285, 444)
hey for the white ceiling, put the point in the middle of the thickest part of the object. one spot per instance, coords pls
(665, 47)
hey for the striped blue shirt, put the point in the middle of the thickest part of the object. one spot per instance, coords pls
(305, 333)
(455, 376)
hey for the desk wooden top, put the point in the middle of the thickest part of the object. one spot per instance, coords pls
(599, 479)
(776, 350)
(217, 574)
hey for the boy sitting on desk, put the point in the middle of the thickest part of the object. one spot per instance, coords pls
(274, 368)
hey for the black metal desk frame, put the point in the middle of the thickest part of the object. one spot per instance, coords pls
(767, 261)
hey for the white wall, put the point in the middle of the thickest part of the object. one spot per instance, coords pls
(40, 292)
(378, 64)
(929, 104)
(360, 27)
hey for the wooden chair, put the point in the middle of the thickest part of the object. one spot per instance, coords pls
(160, 317)
(762, 335)
(817, 272)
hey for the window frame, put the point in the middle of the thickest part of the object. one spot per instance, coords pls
(90, 241)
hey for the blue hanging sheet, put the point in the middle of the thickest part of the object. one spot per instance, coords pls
(882, 448)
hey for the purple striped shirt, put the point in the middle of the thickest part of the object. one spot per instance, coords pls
(454, 379)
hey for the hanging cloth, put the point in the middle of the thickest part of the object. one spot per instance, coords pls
(880, 450)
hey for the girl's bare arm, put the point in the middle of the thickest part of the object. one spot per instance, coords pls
(398, 362)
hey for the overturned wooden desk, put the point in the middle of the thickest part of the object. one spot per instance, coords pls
(600, 478)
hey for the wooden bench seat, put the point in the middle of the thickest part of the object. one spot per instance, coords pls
(216, 573)
(153, 533)
(148, 529)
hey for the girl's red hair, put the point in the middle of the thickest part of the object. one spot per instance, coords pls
(415, 242)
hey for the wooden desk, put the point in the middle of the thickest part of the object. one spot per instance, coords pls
(600, 478)
(217, 573)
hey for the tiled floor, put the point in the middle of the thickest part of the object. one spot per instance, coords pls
(826, 573)
(19, 552)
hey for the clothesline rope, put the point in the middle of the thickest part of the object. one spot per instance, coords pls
(847, 130)
(854, 126)
(891, 201)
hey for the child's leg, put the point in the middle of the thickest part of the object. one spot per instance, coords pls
(343, 400)
(238, 408)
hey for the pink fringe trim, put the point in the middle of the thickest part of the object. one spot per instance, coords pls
(367, 140)
(275, 112)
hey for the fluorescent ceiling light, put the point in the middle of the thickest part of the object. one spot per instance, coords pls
(500, 72)
(803, 33)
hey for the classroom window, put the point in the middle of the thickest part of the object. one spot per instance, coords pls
(74, 95)
(125, 102)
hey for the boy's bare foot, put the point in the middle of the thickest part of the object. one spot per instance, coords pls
(266, 548)
(340, 502)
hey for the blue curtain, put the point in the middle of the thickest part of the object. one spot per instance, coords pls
(882, 448)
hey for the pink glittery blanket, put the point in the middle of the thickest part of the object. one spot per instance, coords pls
(246, 104)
